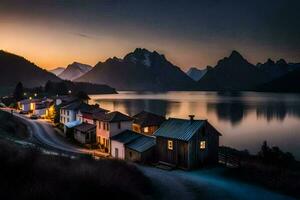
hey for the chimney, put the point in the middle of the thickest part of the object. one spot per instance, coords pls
(191, 118)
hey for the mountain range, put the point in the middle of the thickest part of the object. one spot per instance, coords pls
(143, 70)
(74, 71)
(16, 69)
(57, 70)
(231, 74)
(196, 74)
(139, 70)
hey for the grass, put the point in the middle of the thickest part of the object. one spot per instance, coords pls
(12, 127)
(29, 174)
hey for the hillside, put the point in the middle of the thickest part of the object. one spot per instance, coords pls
(16, 69)
(287, 83)
(139, 70)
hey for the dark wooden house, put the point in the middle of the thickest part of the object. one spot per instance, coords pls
(146, 122)
(187, 144)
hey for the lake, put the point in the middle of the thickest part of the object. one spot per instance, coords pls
(245, 119)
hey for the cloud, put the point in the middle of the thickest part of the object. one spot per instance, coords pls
(83, 35)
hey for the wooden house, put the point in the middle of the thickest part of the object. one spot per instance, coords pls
(187, 144)
(146, 122)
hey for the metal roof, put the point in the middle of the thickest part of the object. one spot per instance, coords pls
(126, 136)
(73, 124)
(142, 143)
(180, 129)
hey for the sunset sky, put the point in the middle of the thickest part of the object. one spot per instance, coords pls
(54, 33)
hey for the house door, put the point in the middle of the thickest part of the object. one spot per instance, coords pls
(116, 152)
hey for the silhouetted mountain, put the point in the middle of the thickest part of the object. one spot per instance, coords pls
(139, 70)
(276, 70)
(287, 83)
(16, 69)
(232, 73)
(195, 73)
(74, 71)
(57, 70)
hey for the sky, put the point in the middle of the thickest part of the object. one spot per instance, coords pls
(55, 33)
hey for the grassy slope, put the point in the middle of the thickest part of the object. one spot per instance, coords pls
(28, 174)
(12, 127)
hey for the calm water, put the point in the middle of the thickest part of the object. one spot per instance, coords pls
(244, 119)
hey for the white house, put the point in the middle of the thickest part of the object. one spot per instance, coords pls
(109, 125)
(119, 141)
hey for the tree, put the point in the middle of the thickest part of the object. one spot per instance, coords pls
(19, 92)
(82, 96)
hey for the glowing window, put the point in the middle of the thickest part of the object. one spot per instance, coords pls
(170, 144)
(146, 129)
(202, 144)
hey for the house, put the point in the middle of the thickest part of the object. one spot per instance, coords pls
(109, 125)
(141, 150)
(27, 105)
(119, 141)
(187, 144)
(147, 122)
(71, 114)
(40, 109)
(133, 146)
(85, 133)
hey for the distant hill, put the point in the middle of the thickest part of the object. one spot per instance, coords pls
(195, 73)
(139, 70)
(16, 69)
(276, 69)
(74, 71)
(287, 83)
(57, 70)
(232, 73)
(65, 86)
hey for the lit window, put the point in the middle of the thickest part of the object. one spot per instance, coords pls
(146, 130)
(170, 144)
(202, 144)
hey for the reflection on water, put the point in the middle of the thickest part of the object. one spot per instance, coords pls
(244, 119)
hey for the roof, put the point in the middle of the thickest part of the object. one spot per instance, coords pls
(145, 118)
(126, 136)
(180, 129)
(113, 117)
(28, 101)
(73, 124)
(83, 107)
(142, 143)
(72, 106)
(84, 127)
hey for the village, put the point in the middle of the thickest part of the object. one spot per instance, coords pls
(144, 138)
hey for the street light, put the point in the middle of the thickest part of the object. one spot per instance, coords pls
(70, 91)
